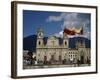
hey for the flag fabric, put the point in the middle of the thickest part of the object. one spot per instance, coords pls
(69, 32)
(73, 31)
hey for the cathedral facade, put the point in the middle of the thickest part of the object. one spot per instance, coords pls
(56, 50)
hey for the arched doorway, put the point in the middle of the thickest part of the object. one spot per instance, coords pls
(52, 57)
(60, 58)
(45, 59)
(82, 57)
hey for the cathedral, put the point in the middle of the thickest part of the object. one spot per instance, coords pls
(55, 50)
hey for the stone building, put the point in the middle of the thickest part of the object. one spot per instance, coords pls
(56, 50)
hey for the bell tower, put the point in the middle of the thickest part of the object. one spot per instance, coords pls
(40, 37)
(65, 40)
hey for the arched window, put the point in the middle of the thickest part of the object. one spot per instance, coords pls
(65, 42)
(39, 42)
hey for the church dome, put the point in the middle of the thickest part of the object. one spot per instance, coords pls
(53, 41)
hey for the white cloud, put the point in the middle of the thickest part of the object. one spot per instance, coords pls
(69, 19)
(56, 18)
(59, 34)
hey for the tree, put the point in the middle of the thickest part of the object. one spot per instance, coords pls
(30, 54)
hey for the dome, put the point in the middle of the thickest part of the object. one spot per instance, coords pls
(53, 41)
(52, 37)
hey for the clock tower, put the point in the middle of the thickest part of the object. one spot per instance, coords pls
(65, 40)
(40, 37)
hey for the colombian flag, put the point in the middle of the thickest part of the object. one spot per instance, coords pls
(73, 31)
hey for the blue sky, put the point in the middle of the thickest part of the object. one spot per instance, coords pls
(54, 22)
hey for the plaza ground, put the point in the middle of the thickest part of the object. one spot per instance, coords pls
(53, 66)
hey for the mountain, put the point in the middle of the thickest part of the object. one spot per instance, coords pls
(72, 42)
(29, 43)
